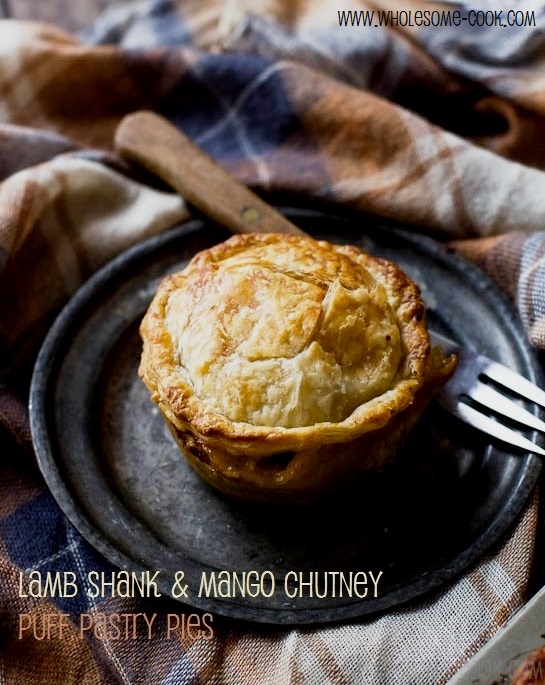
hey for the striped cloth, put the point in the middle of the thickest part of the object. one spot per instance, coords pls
(437, 128)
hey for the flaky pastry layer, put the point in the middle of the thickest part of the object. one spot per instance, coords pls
(269, 345)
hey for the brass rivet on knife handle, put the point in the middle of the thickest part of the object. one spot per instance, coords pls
(155, 144)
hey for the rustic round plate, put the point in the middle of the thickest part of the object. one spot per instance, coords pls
(115, 471)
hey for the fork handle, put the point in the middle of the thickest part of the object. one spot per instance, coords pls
(155, 144)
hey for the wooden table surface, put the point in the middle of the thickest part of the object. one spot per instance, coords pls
(72, 15)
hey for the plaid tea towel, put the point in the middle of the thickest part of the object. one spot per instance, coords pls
(436, 127)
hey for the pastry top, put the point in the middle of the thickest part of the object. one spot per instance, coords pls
(269, 333)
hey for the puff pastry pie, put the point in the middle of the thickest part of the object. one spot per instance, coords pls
(285, 365)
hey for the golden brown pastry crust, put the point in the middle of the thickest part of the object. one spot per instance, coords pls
(532, 670)
(284, 365)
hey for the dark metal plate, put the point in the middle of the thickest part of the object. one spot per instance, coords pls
(115, 471)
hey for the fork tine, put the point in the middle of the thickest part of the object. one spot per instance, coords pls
(497, 430)
(488, 397)
(466, 384)
(512, 381)
(492, 370)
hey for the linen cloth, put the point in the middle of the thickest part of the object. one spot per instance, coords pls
(437, 128)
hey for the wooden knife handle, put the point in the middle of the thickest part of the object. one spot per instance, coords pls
(155, 144)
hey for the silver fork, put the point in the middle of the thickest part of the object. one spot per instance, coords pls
(472, 381)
